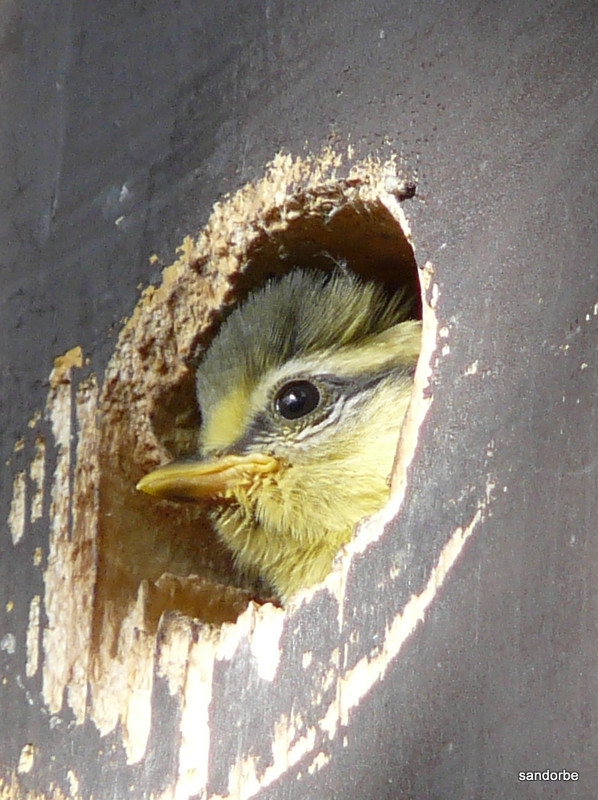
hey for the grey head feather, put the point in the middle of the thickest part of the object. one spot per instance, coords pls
(300, 314)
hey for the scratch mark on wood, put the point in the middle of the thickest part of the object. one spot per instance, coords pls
(16, 516)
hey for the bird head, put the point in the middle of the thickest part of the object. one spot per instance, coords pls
(302, 396)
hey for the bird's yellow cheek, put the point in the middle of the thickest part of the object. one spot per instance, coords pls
(325, 495)
(306, 506)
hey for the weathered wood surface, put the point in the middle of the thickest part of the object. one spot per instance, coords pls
(119, 130)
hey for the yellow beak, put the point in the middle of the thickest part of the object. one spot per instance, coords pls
(205, 480)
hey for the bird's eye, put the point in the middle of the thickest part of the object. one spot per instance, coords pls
(296, 399)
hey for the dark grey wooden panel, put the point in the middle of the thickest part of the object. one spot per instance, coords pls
(122, 123)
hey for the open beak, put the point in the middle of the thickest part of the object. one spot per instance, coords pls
(206, 480)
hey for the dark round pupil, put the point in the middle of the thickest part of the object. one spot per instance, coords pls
(297, 399)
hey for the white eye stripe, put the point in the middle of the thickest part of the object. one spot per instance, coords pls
(344, 408)
(329, 419)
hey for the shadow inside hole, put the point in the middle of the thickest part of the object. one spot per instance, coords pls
(175, 417)
(365, 237)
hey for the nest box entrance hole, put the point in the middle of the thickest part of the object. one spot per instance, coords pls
(149, 410)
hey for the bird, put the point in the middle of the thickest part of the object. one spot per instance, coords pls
(302, 394)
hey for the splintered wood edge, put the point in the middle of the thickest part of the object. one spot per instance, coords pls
(187, 652)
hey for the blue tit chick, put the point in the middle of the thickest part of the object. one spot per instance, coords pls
(302, 396)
